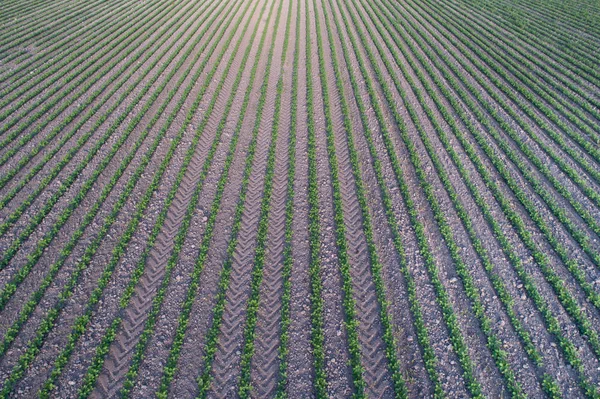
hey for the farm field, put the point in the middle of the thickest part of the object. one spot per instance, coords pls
(300, 198)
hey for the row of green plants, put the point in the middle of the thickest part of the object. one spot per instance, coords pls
(554, 207)
(73, 176)
(14, 8)
(72, 151)
(582, 16)
(538, 295)
(572, 50)
(551, 75)
(572, 20)
(532, 210)
(532, 85)
(494, 278)
(220, 303)
(559, 248)
(422, 333)
(10, 288)
(486, 324)
(516, 67)
(82, 140)
(34, 346)
(529, 96)
(558, 211)
(212, 336)
(32, 62)
(530, 287)
(493, 342)
(25, 8)
(37, 129)
(361, 193)
(26, 138)
(103, 349)
(84, 320)
(248, 348)
(288, 252)
(117, 76)
(30, 30)
(314, 228)
(443, 300)
(22, 75)
(349, 304)
(41, 93)
(46, 31)
(48, 323)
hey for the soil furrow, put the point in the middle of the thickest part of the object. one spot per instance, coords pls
(191, 352)
(121, 351)
(264, 376)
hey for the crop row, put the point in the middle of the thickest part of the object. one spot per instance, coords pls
(495, 279)
(575, 51)
(527, 94)
(314, 230)
(26, 8)
(120, 203)
(79, 144)
(10, 288)
(288, 256)
(219, 307)
(376, 266)
(92, 248)
(16, 167)
(72, 177)
(556, 209)
(109, 336)
(187, 305)
(126, 42)
(348, 300)
(34, 28)
(554, 80)
(81, 141)
(212, 336)
(422, 332)
(472, 293)
(532, 85)
(511, 215)
(567, 300)
(456, 337)
(16, 76)
(245, 385)
(47, 28)
(493, 341)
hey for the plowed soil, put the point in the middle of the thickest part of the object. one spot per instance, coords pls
(299, 198)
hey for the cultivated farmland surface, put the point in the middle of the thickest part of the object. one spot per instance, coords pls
(300, 198)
